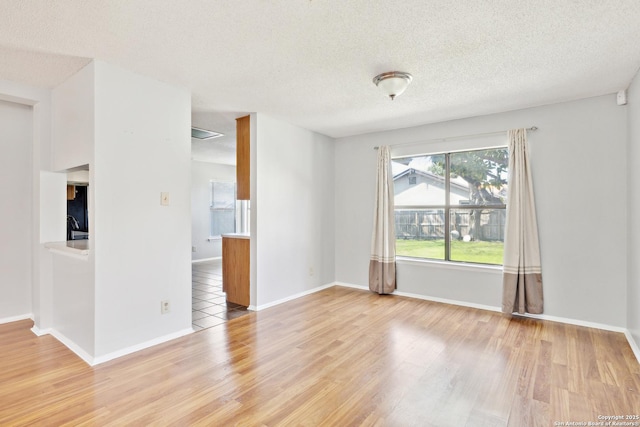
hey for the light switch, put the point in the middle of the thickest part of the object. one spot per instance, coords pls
(164, 198)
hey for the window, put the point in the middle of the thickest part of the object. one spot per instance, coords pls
(223, 208)
(455, 209)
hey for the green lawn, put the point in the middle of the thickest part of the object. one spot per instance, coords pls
(478, 252)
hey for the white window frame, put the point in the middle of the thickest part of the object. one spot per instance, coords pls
(213, 209)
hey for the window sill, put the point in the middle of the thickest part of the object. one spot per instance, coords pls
(449, 265)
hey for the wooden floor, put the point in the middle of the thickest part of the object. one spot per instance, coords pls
(339, 357)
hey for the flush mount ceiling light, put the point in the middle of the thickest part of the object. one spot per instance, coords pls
(393, 83)
(198, 133)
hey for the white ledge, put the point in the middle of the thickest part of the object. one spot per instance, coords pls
(449, 265)
(76, 248)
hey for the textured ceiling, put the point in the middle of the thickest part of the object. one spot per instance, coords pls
(310, 62)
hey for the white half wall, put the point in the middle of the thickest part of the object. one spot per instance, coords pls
(202, 173)
(142, 248)
(578, 157)
(74, 300)
(16, 141)
(293, 209)
(633, 178)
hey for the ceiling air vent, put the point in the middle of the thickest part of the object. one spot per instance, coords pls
(204, 134)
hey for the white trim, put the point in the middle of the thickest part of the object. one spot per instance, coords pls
(633, 344)
(16, 318)
(292, 297)
(427, 298)
(92, 361)
(40, 332)
(576, 322)
(351, 285)
(215, 258)
(448, 301)
(451, 265)
(72, 346)
(132, 349)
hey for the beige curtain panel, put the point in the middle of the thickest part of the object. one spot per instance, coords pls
(382, 267)
(522, 277)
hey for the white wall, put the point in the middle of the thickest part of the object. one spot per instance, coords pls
(72, 280)
(142, 249)
(202, 173)
(633, 164)
(53, 211)
(74, 302)
(40, 146)
(579, 172)
(16, 136)
(73, 126)
(293, 176)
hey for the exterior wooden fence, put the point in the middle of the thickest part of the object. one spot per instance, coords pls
(429, 224)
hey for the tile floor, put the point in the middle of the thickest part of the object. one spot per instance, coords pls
(209, 306)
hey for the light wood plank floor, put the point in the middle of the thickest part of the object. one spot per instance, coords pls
(339, 357)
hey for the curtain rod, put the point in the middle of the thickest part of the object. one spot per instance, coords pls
(451, 138)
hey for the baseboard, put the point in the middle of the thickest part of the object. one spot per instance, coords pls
(292, 297)
(587, 324)
(633, 344)
(195, 261)
(426, 298)
(93, 361)
(40, 332)
(449, 301)
(16, 318)
(134, 348)
(576, 322)
(351, 285)
(71, 345)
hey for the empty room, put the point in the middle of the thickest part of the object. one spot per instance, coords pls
(320, 212)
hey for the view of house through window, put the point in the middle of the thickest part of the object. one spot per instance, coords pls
(451, 206)
(223, 208)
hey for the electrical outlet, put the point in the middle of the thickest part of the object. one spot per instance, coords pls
(164, 306)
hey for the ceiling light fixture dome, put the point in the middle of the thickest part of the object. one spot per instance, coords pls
(393, 83)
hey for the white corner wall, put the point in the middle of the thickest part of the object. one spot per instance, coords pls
(16, 140)
(142, 249)
(293, 210)
(633, 178)
(72, 280)
(202, 173)
(580, 179)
